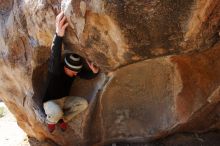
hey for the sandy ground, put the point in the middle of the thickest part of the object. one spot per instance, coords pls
(10, 133)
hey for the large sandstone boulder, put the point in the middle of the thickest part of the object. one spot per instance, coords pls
(152, 98)
(159, 60)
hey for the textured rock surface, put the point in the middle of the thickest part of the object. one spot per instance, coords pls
(206, 139)
(153, 98)
(128, 31)
(160, 58)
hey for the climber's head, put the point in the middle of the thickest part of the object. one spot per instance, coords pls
(72, 64)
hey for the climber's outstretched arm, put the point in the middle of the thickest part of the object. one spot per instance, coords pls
(55, 56)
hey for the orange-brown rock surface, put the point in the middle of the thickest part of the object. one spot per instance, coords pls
(160, 61)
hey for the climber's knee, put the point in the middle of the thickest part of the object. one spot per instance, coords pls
(82, 105)
(53, 111)
(73, 106)
(78, 104)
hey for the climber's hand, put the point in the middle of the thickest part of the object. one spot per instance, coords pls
(93, 67)
(61, 24)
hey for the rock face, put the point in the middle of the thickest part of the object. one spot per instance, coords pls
(159, 58)
(150, 98)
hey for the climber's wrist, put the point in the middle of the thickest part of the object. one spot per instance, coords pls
(58, 35)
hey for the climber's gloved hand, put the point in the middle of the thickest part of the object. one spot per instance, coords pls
(61, 24)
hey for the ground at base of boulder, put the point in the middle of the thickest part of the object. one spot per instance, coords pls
(182, 139)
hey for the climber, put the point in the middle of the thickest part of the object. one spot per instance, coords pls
(58, 105)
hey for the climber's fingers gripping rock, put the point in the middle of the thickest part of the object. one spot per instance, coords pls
(93, 67)
(61, 24)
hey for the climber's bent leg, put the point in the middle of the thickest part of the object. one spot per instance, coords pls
(73, 106)
(53, 111)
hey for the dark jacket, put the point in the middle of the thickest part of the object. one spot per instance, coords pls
(58, 83)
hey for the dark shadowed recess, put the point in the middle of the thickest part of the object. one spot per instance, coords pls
(38, 83)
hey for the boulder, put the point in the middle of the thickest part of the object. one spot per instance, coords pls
(159, 64)
(154, 98)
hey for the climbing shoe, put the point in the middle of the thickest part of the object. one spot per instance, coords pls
(63, 125)
(51, 127)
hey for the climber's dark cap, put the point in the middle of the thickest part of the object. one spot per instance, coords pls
(73, 62)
